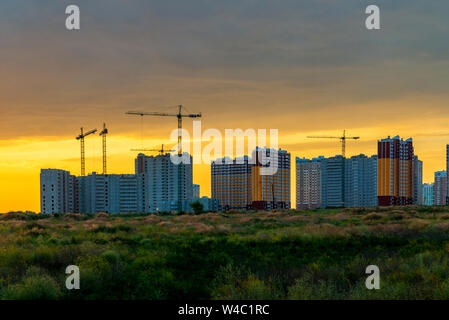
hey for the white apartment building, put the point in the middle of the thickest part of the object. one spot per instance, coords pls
(57, 191)
(110, 193)
(160, 183)
(308, 183)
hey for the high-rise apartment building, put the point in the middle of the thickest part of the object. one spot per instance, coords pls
(417, 181)
(57, 191)
(428, 197)
(270, 191)
(447, 170)
(154, 185)
(395, 171)
(332, 182)
(308, 183)
(440, 188)
(243, 182)
(160, 183)
(343, 182)
(231, 182)
(110, 193)
(360, 182)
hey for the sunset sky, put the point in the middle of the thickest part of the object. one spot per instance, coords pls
(302, 67)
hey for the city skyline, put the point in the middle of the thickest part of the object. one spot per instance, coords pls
(204, 176)
(390, 178)
(305, 68)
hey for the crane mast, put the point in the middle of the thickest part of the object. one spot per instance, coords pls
(103, 134)
(81, 137)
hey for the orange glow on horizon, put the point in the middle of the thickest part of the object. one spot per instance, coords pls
(23, 159)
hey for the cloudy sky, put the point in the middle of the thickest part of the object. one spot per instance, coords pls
(304, 67)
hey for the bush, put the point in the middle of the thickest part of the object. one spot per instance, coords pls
(235, 284)
(197, 207)
(112, 257)
(34, 286)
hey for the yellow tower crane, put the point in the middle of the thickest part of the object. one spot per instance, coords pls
(342, 140)
(83, 158)
(179, 116)
(161, 151)
(103, 134)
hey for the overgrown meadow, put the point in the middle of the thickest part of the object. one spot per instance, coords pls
(319, 254)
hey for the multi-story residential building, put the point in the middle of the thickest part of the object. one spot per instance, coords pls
(417, 181)
(343, 182)
(57, 191)
(308, 183)
(154, 184)
(196, 190)
(110, 193)
(447, 170)
(395, 172)
(270, 191)
(332, 182)
(428, 197)
(160, 182)
(440, 188)
(231, 182)
(245, 182)
(360, 181)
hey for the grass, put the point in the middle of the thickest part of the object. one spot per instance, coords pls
(286, 254)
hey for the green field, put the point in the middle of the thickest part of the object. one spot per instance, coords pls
(318, 254)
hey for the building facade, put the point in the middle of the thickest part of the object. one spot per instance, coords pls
(447, 170)
(342, 182)
(110, 193)
(395, 172)
(308, 183)
(360, 184)
(440, 188)
(417, 181)
(428, 197)
(160, 182)
(270, 191)
(332, 182)
(57, 191)
(231, 182)
(154, 184)
(246, 182)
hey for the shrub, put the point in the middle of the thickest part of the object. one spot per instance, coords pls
(34, 286)
(233, 283)
(197, 207)
(112, 257)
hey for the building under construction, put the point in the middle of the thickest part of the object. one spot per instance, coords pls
(241, 184)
